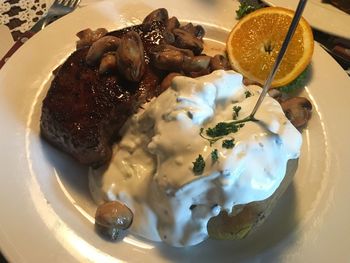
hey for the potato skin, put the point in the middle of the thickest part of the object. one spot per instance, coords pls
(245, 219)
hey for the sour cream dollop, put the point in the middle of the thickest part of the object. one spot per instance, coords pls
(152, 167)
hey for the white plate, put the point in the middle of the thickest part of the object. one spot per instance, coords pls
(322, 16)
(46, 210)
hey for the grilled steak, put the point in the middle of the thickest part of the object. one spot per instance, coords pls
(83, 110)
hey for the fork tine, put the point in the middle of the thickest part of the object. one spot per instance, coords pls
(68, 3)
(56, 2)
(65, 2)
(74, 3)
(58, 9)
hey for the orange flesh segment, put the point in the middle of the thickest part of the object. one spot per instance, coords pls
(254, 44)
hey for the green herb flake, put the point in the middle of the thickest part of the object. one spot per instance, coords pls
(297, 83)
(243, 10)
(247, 94)
(246, 7)
(228, 144)
(214, 155)
(198, 165)
(236, 110)
(222, 129)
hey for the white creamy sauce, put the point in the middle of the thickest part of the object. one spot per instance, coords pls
(151, 171)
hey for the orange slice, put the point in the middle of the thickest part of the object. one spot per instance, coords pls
(253, 45)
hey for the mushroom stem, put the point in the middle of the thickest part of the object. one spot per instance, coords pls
(101, 46)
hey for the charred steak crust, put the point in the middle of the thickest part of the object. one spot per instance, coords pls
(84, 110)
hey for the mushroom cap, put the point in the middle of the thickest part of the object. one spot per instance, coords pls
(114, 214)
(297, 110)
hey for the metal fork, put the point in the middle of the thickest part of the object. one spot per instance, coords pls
(290, 33)
(58, 9)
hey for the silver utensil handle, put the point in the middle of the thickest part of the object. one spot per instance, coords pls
(39, 25)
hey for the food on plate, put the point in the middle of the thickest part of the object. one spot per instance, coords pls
(297, 110)
(84, 109)
(88, 36)
(246, 218)
(299, 82)
(110, 75)
(177, 166)
(112, 217)
(246, 7)
(187, 164)
(256, 39)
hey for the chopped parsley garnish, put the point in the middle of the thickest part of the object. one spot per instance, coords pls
(236, 110)
(214, 155)
(246, 7)
(222, 129)
(198, 165)
(228, 144)
(247, 94)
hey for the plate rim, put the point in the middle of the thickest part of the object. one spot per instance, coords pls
(323, 14)
(12, 61)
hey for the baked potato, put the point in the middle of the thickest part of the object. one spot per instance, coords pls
(245, 219)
